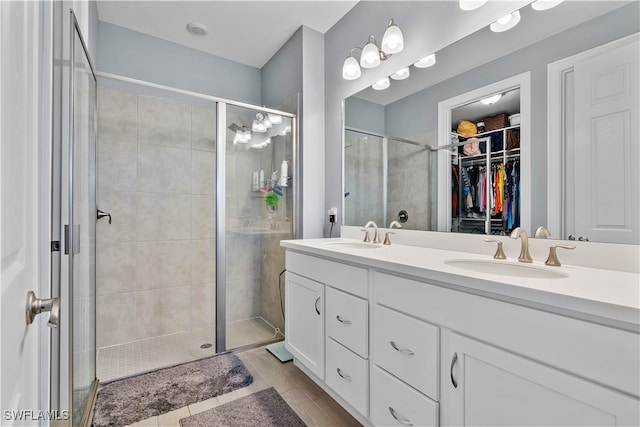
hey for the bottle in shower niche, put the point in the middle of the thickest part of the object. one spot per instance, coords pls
(284, 172)
(255, 183)
(262, 183)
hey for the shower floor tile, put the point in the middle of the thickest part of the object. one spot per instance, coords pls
(136, 357)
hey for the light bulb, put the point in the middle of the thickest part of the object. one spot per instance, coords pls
(540, 5)
(427, 61)
(351, 69)
(392, 41)
(370, 57)
(401, 74)
(381, 84)
(471, 4)
(505, 23)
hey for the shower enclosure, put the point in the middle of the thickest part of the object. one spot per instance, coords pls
(189, 264)
(386, 179)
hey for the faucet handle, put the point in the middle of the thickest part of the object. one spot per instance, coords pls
(552, 259)
(387, 241)
(366, 239)
(499, 251)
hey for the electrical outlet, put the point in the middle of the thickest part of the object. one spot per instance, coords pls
(333, 213)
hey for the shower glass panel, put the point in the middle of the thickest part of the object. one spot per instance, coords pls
(364, 178)
(82, 253)
(259, 213)
(157, 259)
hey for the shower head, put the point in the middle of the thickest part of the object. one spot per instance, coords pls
(234, 127)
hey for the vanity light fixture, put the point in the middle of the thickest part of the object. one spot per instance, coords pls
(381, 84)
(427, 61)
(275, 119)
(243, 136)
(471, 4)
(492, 99)
(261, 123)
(505, 23)
(401, 74)
(372, 55)
(540, 5)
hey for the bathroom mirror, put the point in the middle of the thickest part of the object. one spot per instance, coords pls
(388, 169)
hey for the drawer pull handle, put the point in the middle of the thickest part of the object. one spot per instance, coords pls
(341, 320)
(401, 419)
(316, 304)
(454, 360)
(344, 376)
(402, 350)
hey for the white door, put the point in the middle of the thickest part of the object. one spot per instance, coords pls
(486, 386)
(24, 213)
(304, 307)
(606, 145)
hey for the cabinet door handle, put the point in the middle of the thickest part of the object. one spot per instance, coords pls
(341, 320)
(344, 376)
(454, 360)
(402, 350)
(316, 305)
(400, 418)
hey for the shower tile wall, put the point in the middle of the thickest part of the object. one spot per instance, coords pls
(363, 179)
(156, 176)
(409, 181)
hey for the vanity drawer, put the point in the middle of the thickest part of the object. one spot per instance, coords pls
(407, 348)
(347, 320)
(347, 374)
(345, 277)
(394, 403)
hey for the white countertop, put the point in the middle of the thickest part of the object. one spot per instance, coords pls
(603, 296)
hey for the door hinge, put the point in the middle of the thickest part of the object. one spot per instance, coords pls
(55, 246)
(76, 239)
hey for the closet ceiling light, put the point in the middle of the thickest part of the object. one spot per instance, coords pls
(492, 99)
(197, 29)
(505, 23)
(427, 61)
(381, 84)
(401, 74)
(545, 4)
(471, 4)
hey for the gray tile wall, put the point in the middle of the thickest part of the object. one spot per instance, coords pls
(156, 176)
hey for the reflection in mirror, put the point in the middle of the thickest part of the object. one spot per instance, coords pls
(409, 108)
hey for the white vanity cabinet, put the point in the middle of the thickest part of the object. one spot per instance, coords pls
(305, 321)
(485, 385)
(399, 349)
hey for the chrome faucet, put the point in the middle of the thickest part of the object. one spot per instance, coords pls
(542, 232)
(519, 233)
(376, 237)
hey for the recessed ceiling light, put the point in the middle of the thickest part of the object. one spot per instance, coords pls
(197, 29)
(492, 99)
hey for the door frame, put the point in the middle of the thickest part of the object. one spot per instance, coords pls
(559, 136)
(443, 195)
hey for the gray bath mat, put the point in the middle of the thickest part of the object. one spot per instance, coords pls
(129, 400)
(262, 409)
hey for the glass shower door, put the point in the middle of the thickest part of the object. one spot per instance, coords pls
(258, 214)
(81, 244)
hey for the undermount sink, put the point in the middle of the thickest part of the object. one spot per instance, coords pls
(351, 245)
(505, 268)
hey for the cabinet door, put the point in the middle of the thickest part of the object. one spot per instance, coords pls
(483, 385)
(305, 322)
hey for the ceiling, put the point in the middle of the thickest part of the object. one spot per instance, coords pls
(248, 32)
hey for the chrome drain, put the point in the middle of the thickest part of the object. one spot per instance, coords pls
(206, 345)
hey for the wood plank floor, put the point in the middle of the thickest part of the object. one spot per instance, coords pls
(310, 402)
